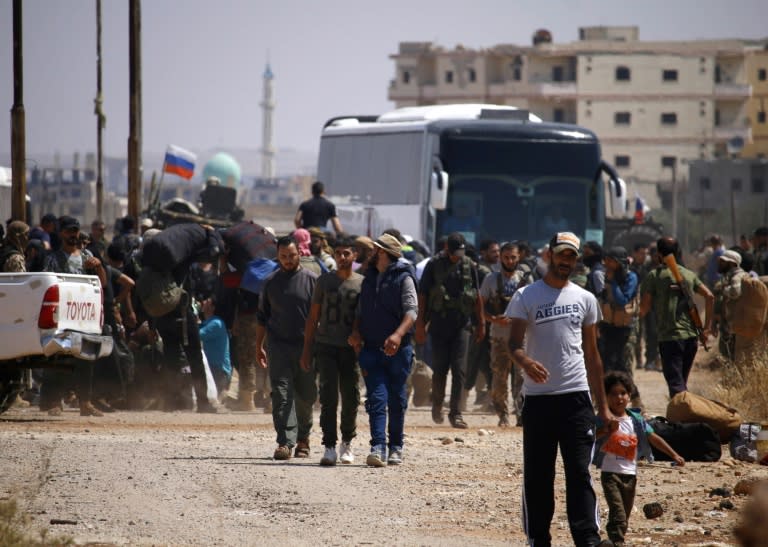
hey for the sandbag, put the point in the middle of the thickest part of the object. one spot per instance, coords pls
(686, 407)
(247, 241)
(747, 314)
(158, 292)
(695, 442)
(180, 244)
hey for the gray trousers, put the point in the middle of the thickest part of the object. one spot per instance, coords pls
(293, 392)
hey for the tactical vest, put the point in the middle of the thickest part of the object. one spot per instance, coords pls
(497, 304)
(440, 302)
(616, 315)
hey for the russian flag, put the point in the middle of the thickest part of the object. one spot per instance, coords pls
(179, 162)
(640, 209)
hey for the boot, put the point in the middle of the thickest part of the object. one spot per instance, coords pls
(245, 401)
(438, 396)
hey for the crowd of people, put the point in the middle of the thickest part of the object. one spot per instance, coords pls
(548, 337)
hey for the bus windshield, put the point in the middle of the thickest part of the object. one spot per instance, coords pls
(519, 189)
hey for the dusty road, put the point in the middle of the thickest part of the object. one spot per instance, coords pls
(151, 478)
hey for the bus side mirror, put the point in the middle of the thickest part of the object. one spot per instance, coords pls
(438, 190)
(618, 197)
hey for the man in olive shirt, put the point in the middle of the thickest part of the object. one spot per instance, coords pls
(334, 305)
(677, 335)
(283, 309)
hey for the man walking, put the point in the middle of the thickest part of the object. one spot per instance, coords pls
(283, 310)
(448, 298)
(678, 339)
(317, 211)
(558, 321)
(382, 337)
(326, 335)
(497, 290)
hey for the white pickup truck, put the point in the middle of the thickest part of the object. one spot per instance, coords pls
(47, 320)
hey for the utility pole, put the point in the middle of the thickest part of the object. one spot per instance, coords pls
(674, 198)
(134, 138)
(100, 120)
(18, 134)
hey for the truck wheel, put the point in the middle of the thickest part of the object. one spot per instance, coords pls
(11, 384)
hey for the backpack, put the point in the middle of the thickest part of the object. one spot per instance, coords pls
(440, 301)
(696, 442)
(688, 407)
(247, 241)
(158, 292)
(748, 312)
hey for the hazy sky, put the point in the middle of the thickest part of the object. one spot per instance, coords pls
(203, 60)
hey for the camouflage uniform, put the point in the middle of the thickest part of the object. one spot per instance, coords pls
(12, 248)
(253, 379)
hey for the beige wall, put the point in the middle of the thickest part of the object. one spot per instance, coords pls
(756, 61)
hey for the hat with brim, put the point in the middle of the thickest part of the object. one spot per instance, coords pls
(68, 223)
(564, 241)
(389, 244)
(731, 256)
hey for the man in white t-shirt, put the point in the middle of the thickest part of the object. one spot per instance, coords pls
(560, 362)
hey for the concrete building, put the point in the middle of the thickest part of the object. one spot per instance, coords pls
(757, 75)
(652, 104)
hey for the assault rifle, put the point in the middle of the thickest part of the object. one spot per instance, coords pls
(693, 311)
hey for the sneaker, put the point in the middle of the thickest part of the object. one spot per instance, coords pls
(282, 452)
(302, 449)
(329, 456)
(346, 455)
(395, 455)
(458, 422)
(377, 457)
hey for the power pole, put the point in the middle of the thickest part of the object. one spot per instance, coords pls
(18, 134)
(100, 120)
(134, 138)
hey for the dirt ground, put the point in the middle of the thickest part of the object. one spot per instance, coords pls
(153, 478)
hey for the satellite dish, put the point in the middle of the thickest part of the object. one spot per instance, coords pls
(735, 145)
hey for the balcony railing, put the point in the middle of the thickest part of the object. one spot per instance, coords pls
(725, 133)
(555, 89)
(733, 91)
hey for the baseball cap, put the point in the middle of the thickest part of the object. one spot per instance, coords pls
(563, 241)
(68, 223)
(389, 244)
(731, 256)
(455, 243)
(618, 253)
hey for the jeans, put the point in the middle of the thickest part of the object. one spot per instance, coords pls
(338, 372)
(385, 385)
(619, 493)
(293, 392)
(566, 420)
(676, 361)
(449, 353)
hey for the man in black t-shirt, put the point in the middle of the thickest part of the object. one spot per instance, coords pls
(317, 211)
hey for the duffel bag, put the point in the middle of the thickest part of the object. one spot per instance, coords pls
(686, 407)
(180, 244)
(247, 241)
(695, 442)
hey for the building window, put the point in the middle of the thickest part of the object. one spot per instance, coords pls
(717, 117)
(517, 73)
(705, 183)
(668, 161)
(623, 74)
(557, 74)
(762, 74)
(406, 77)
(758, 186)
(622, 118)
(589, 113)
(76, 193)
(471, 75)
(669, 75)
(761, 117)
(622, 161)
(558, 115)
(449, 76)
(668, 118)
(736, 185)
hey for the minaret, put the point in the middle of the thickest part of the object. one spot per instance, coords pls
(267, 107)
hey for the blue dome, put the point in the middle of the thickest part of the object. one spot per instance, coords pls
(225, 167)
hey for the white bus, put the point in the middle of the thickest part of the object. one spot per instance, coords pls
(486, 171)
